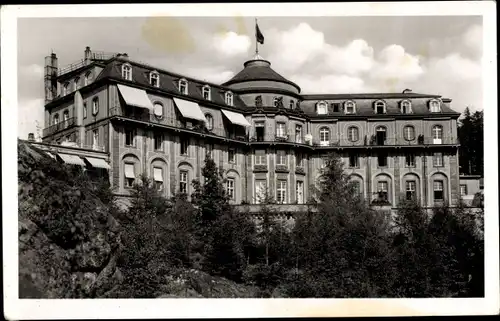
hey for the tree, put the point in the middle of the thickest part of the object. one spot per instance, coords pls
(470, 134)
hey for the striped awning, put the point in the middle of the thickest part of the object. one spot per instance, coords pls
(71, 159)
(98, 162)
(189, 109)
(236, 118)
(135, 97)
(129, 171)
(157, 174)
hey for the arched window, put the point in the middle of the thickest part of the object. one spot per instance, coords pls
(158, 110)
(292, 103)
(65, 89)
(434, 106)
(353, 134)
(350, 107)
(275, 102)
(324, 136)
(322, 108)
(409, 132)
(127, 72)
(437, 132)
(77, 83)
(229, 98)
(210, 121)
(379, 107)
(183, 86)
(154, 79)
(95, 106)
(65, 115)
(206, 92)
(405, 107)
(56, 119)
(380, 135)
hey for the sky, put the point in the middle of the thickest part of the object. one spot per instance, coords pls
(428, 54)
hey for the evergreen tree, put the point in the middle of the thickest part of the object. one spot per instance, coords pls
(470, 134)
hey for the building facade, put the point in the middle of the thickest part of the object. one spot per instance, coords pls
(257, 126)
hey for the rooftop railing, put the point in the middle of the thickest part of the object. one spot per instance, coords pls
(98, 55)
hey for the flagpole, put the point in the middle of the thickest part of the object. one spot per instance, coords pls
(256, 42)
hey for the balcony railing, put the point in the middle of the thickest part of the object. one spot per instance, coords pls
(281, 169)
(300, 170)
(260, 168)
(65, 124)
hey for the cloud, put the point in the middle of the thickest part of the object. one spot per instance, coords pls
(231, 44)
(395, 63)
(329, 83)
(473, 38)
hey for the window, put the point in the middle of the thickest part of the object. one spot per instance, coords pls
(280, 130)
(260, 157)
(438, 190)
(335, 107)
(129, 137)
(65, 118)
(154, 79)
(260, 190)
(95, 106)
(206, 92)
(353, 161)
(84, 110)
(158, 141)
(382, 160)
(258, 101)
(229, 98)
(129, 175)
(259, 131)
(183, 182)
(438, 159)
(280, 157)
(463, 190)
(322, 108)
(281, 192)
(77, 83)
(231, 155)
(210, 121)
(275, 102)
(411, 190)
(230, 188)
(409, 133)
(324, 136)
(209, 150)
(158, 178)
(65, 89)
(410, 160)
(56, 119)
(353, 134)
(350, 107)
(158, 110)
(357, 187)
(437, 134)
(434, 106)
(184, 146)
(298, 134)
(380, 107)
(87, 78)
(405, 107)
(126, 72)
(183, 86)
(383, 190)
(300, 192)
(299, 160)
(292, 103)
(95, 139)
(380, 135)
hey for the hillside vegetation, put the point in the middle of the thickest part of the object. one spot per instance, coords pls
(75, 243)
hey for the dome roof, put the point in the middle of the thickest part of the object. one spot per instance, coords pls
(258, 69)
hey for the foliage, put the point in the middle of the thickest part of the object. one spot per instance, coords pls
(471, 134)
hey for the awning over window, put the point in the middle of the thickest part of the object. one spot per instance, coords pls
(236, 118)
(157, 174)
(71, 159)
(129, 171)
(98, 162)
(135, 97)
(189, 109)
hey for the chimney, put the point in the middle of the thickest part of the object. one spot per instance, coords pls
(87, 54)
(50, 78)
(31, 137)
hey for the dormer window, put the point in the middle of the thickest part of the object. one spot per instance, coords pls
(183, 86)
(350, 107)
(322, 108)
(87, 78)
(434, 106)
(56, 119)
(405, 107)
(77, 83)
(65, 89)
(229, 98)
(275, 102)
(291, 104)
(154, 79)
(379, 107)
(127, 72)
(206, 92)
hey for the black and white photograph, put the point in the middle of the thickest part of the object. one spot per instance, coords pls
(170, 157)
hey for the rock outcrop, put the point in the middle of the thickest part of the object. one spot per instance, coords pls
(69, 242)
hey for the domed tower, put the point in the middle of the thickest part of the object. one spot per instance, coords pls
(259, 85)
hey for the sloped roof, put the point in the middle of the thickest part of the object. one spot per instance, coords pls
(168, 82)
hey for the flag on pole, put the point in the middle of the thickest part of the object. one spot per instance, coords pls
(258, 34)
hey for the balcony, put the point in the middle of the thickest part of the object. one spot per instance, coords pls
(330, 143)
(68, 123)
(281, 138)
(420, 140)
